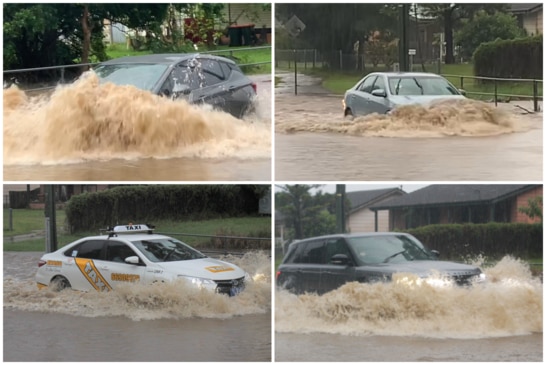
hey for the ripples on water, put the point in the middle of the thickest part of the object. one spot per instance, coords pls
(89, 121)
(442, 118)
(176, 300)
(510, 303)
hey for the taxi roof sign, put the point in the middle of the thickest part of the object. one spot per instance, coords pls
(131, 228)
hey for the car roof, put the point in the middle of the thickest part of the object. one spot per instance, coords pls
(352, 235)
(163, 58)
(127, 237)
(407, 74)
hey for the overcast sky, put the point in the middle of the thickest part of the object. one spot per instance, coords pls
(408, 188)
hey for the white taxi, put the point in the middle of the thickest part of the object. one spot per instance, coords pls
(133, 253)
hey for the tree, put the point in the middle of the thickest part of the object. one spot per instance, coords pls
(534, 208)
(306, 215)
(484, 27)
(450, 15)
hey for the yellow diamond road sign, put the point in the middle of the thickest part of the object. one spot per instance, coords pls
(294, 26)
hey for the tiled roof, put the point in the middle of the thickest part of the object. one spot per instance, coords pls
(453, 195)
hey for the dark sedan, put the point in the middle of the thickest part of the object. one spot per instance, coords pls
(199, 78)
(322, 264)
(381, 92)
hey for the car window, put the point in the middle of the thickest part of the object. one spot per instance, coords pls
(225, 69)
(312, 252)
(118, 251)
(88, 249)
(336, 247)
(212, 71)
(379, 84)
(421, 86)
(167, 249)
(367, 84)
(143, 76)
(393, 248)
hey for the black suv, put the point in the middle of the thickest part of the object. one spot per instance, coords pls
(321, 264)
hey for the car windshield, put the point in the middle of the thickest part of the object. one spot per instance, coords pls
(143, 76)
(389, 248)
(167, 249)
(419, 85)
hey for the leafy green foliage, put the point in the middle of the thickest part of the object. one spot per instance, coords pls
(492, 240)
(516, 58)
(484, 27)
(150, 203)
(534, 208)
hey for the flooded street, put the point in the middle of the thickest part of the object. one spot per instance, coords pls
(135, 323)
(107, 132)
(336, 348)
(314, 142)
(408, 320)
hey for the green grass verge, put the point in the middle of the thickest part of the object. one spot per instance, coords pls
(28, 220)
(339, 82)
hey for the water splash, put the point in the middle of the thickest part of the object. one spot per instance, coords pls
(90, 121)
(174, 300)
(510, 303)
(463, 117)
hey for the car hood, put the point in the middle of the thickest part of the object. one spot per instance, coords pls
(420, 99)
(425, 268)
(205, 268)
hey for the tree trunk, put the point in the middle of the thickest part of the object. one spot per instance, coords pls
(86, 28)
(448, 33)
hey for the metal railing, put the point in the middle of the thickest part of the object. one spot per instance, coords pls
(62, 68)
(484, 82)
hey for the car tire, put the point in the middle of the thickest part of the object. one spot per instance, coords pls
(349, 114)
(289, 284)
(60, 283)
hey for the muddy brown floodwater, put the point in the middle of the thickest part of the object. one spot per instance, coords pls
(453, 141)
(135, 323)
(408, 320)
(92, 131)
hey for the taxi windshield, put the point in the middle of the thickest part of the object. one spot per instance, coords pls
(167, 249)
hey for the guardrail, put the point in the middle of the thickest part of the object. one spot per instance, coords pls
(498, 82)
(224, 240)
(87, 66)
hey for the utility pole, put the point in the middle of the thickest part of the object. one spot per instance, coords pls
(340, 208)
(403, 43)
(51, 221)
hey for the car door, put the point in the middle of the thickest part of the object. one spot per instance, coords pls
(379, 103)
(334, 273)
(213, 89)
(114, 268)
(81, 266)
(359, 100)
(309, 266)
(241, 91)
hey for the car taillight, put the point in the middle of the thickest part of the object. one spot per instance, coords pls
(41, 263)
(255, 87)
(278, 274)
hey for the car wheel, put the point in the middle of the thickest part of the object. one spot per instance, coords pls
(349, 114)
(60, 283)
(289, 284)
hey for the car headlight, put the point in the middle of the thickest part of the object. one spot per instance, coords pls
(481, 278)
(199, 282)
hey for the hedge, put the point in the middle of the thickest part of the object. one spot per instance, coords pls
(511, 58)
(493, 240)
(148, 203)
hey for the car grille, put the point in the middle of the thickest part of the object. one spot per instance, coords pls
(465, 279)
(230, 287)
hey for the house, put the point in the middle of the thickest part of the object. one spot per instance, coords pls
(238, 14)
(529, 17)
(444, 204)
(360, 218)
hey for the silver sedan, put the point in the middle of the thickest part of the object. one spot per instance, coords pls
(380, 92)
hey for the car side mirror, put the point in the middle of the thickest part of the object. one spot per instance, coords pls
(435, 253)
(339, 259)
(380, 93)
(181, 89)
(462, 91)
(134, 260)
